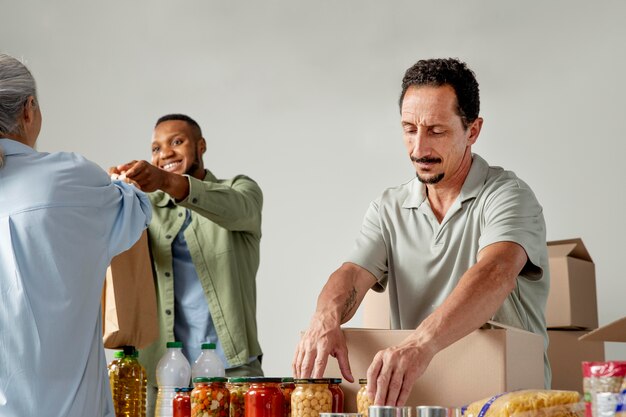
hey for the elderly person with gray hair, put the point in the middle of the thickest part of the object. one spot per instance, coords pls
(61, 221)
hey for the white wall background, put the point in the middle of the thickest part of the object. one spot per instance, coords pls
(301, 95)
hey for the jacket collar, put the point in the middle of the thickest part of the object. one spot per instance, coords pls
(13, 147)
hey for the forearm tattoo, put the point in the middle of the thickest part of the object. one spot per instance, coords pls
(349, 304)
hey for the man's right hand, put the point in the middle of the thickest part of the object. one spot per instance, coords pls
(317, 343)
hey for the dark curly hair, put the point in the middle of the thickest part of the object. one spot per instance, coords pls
(447, 71)
(184, 118)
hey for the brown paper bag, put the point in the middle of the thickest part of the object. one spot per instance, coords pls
(129, 306)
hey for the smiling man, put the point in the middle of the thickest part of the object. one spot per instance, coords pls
(462, 243)
(204, 238)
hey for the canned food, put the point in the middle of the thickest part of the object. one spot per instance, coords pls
(264, 398)
(337, 394)
(237, 387)
(287, 386)
(210, 397)
(311, 397)
(363, 401)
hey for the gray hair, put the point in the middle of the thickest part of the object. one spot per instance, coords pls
(16, 85)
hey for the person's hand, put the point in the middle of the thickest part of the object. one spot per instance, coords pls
(312, 352)
(142, 174)
(393, 372)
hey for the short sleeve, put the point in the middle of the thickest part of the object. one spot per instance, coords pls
(513, 214)
(370, 250)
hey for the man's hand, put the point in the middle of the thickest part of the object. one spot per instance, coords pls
(145, 175)
(394, 370)
(312, 352)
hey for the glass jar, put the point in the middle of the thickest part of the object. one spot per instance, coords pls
(287, 386)
(311, 397)
(337, 393)
(237, 387)
(210, 397)
(264, 398)
(181, 404)
(363, 401)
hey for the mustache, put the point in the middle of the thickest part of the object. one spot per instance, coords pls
(426, 160)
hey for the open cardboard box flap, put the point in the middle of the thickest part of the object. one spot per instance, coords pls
(612, 332)
(574, 248)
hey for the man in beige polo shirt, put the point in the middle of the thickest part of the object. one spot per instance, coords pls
(462, 243)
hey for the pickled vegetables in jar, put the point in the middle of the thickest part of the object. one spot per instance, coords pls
(237, 387)
(210, 397)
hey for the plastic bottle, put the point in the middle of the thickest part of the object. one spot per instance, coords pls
(113, 370)
(208, 364)
(173, 371)
(129, 385)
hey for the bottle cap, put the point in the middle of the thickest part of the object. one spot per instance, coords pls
(174, 345)
(208, 346)
(129, 350)
(118, 354)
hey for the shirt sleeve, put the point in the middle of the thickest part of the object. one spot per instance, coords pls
(513, 214)
(235, 206)
(370, 250)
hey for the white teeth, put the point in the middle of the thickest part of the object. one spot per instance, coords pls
(170, 166)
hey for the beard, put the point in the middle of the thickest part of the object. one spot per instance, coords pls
(434, 179)
(194, 166)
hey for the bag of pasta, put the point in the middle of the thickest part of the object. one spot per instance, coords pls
(525, 403)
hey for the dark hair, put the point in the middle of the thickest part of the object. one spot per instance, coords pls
(448, 71)
(183, 117)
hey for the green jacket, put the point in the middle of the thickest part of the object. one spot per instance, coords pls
(223, 238)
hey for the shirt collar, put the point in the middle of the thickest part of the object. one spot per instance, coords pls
(163, 199)
(13, 147)
(471, 187)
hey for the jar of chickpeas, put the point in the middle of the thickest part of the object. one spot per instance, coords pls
(237, 387)
(210, 397)
(311, 397)
(363, 401)
(287, 386)
(337, 393)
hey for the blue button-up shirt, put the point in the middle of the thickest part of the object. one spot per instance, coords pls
(61, 222)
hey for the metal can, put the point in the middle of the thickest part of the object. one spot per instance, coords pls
(337, 393)
(210, 397)
(311, 397)
(287, 386)
(181, 404)
(264, 398)
(363, 401)
(237, 387)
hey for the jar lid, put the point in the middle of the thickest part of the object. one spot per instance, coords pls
(183, 389)
(174, 345)
(363, 381)
(287, 380)
(336, 380)
(238, 380)
(262, 379)
(203, 379)
(311, 381)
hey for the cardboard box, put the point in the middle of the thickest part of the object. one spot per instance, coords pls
(566, 353)
(482, 364)
(612, 332)
(572, 299)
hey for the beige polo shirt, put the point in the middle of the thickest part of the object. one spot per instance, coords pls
(421, 260)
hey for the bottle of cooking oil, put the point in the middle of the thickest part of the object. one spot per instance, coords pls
(112, 369)
(129, 385)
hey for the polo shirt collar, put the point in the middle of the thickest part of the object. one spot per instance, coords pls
(471, 187)
(163, 199)
(13, 147)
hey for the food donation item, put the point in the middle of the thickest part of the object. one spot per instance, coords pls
(181, 405)
(237, 387)
(210, 397)
(311, 397)
(540, 403)
(337, 393)
(129, 385)
(602, 386)
(264, 398)
(287, 386)
(363, 401)
(172, 371)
